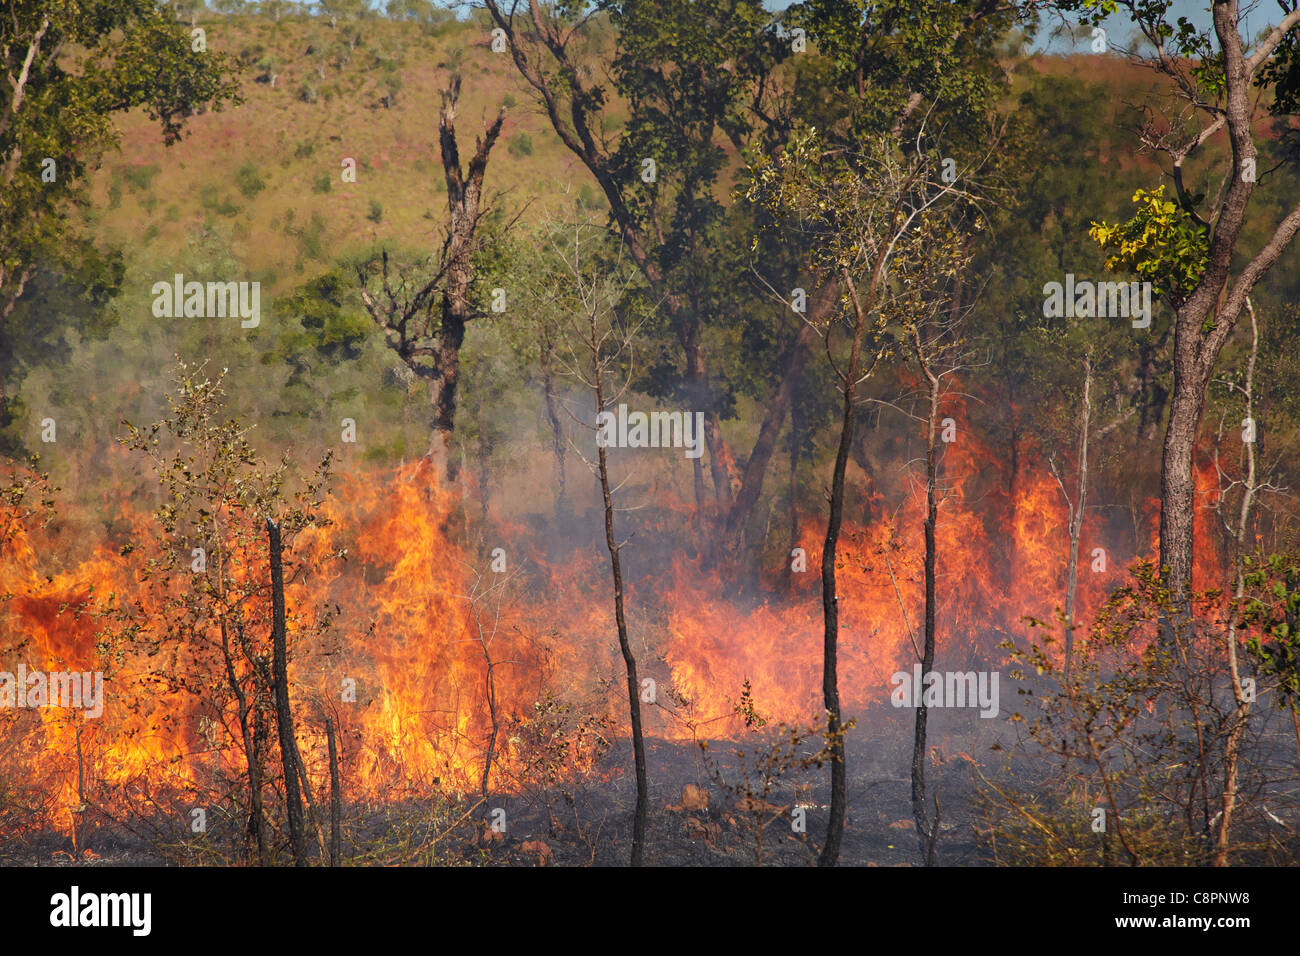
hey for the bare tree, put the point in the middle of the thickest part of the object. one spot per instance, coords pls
(1075, 506)
(404, 304)
(597, 351)
(485, 606)
(1238, 529)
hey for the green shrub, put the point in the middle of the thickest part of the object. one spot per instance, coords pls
(139, 177)
(248, 180)
(521, 144)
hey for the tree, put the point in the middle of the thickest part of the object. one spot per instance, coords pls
(208, 628)
(1214, 76)
(595, 350)
(404, 305)
(691, 76)
(932, 328)
(863, 214)
(69, 69)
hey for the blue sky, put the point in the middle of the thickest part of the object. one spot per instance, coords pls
(1121, 31)
(1118, 28)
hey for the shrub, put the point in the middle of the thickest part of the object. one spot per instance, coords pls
(521, 144)
(248, 180)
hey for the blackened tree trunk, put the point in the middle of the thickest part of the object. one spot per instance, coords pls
(926, 833)
(247, 712)
(830, 599)
(289, 756)
(336, 795)
(629, 660)
(490, 689)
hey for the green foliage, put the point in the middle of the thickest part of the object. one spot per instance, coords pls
(521, 144)
(248, 180)
(883, 53)
(330, 323)
(686, 73)
(90, 61)
(1162, 244)
(1272, 611)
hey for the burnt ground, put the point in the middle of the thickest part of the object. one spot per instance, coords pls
(699, 815)
(589, 823)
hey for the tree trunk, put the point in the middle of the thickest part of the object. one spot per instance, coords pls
(1241, 710)
(629, 661)
(1177, 479)
(925, 833)
(698, 394)
(751, 484)
(830, 599)
(289, 756)
(491, 689)
(252, 753)
(1076, 518)
(336, 796)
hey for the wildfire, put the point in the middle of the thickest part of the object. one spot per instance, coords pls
(432, 656)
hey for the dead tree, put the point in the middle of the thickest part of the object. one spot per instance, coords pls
(404, 306)
(1075, 506)
(289, 756)
(1250, 488)
(336, 795)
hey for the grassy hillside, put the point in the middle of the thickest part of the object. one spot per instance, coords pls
(268, 173)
